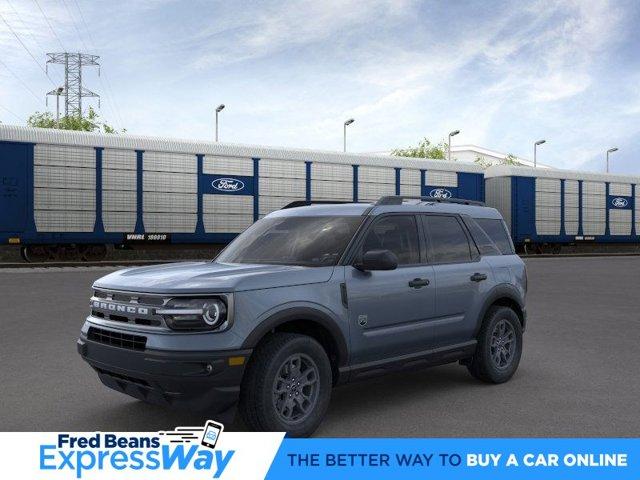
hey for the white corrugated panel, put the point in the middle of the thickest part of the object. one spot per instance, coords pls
(410, 177)
(64, 220)
(620, 221)
(270, 168)
(411, 190)
(64, 199)
(441, 179)
(332, 171)
(170, 182)
(331, 190)
(119, 221)
(119, 159)
(376, 175)
(119, 180)
(169, 162)
(219, 223)
(64, 156)
(270, 204)
(227, 204)
(64, 177)
(170, 222)
(547, 227)
(620, 189)
(133, 142)
(227, 165)
(170, 202)
(369, 192)
(280, 187)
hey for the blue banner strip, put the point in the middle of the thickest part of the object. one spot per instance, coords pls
(450, 459)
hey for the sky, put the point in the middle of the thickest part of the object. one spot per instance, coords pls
(504, 73)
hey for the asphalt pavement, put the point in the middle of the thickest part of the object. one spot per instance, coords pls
(579, 375)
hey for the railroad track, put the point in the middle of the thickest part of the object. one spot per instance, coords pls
(141, 263)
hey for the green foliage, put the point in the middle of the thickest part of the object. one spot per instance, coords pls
(89, 123)
(425, 149)
(510, 159)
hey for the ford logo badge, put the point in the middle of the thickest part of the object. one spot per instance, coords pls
(440, 193)
(228, 184)
(619, 202)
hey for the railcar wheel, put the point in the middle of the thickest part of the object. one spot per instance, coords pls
(35, 253)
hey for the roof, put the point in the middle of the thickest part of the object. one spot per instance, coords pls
(356, 209)
(493, 153)
(513, 171)
(135, 142)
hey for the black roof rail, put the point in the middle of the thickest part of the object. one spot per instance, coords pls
(307, 203)
(398, 199)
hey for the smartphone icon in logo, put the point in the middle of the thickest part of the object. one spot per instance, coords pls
(212, 431)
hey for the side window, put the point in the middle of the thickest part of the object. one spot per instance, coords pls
(483, 242)
(397, 233)
(447, 239)
(497, 231)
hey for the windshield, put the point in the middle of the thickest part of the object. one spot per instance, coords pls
(305, 241)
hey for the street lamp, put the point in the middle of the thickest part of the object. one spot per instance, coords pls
(611, 150)
(218, 110)
(344, 136)
(535, 151)
(451, 134)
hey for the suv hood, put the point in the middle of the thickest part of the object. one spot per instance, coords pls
(211, 277)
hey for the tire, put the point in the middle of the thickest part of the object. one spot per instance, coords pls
(269, 393)
(491, 363)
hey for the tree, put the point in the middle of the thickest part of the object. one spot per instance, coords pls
(89, 123)
(425, 149)
(510, 159)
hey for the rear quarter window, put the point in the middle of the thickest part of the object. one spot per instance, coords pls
(498, 233)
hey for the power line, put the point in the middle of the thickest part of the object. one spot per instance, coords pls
(50, 26)
(73, 22)
(24, 25)
(7, 110)
(106, 85)
(27, 49)
(21, 81)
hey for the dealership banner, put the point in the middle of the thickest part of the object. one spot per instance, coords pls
(209, 452)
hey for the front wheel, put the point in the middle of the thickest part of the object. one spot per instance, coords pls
(287, 385)
(499, 346)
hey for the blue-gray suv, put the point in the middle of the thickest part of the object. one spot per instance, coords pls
(310, 297)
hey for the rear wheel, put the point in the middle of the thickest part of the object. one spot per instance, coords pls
(499, 346)
(287, 385)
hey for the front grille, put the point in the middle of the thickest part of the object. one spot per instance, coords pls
(117, 339)
(129, 308)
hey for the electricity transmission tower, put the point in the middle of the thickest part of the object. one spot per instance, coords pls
(73, 90)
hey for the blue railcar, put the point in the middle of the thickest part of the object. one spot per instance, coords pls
(78, 192)
(548, 208)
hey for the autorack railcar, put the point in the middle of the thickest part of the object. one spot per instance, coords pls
(70, 194)
(547, 209)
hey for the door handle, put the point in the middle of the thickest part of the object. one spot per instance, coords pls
(419, 282)
(478, 277)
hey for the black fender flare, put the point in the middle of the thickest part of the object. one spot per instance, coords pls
(499, 292)
(311, 314)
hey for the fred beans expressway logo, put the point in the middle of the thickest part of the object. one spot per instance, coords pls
(619, 202)
(440, 193)
(186, 449)
(228, 184)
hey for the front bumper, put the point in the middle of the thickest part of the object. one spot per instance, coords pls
(195, 380)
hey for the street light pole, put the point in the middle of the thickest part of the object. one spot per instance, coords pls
(218, 110)
(59, 90)
(611, 150)
(451, 134)
(535, 152)
(344, 135)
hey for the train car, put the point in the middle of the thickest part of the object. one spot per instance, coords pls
(67, 194)
(548, 209)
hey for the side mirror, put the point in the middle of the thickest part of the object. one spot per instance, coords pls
(377, 260)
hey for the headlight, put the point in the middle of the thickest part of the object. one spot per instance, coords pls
(195, 313)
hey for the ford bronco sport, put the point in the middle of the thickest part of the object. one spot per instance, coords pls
(311, 297)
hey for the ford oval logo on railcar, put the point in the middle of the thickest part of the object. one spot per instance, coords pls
(619, 202)
(227, 184)
(440, 193)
